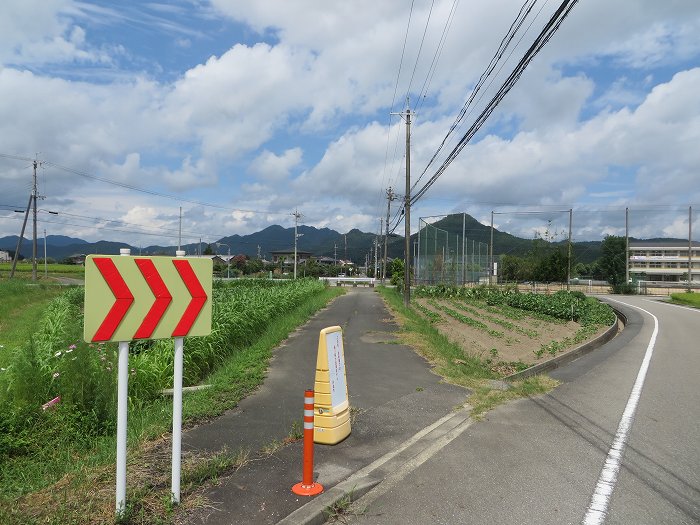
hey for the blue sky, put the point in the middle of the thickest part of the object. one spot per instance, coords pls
(243, 111)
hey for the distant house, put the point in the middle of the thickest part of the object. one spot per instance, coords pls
(5, 256)
(78, 258)
(664, 261)
(216, 259)
(287, 256)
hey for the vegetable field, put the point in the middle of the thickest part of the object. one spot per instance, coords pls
(509, 330)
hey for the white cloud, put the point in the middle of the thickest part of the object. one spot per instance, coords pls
(271, 167)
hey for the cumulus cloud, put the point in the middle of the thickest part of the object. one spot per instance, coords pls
(296, 114)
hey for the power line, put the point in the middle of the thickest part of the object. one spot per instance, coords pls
(525, 10)
(545, 35)
(436, 57)
(420, 48)
(138, 188)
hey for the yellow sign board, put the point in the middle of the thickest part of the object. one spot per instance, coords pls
(131, 298)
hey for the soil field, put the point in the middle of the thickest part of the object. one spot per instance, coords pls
(507, 338)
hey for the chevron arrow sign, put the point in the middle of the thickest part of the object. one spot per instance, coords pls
(130, 298)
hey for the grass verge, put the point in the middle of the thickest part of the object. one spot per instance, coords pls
(686, 299)
(455, 365)
(21, 307)
(84, 490)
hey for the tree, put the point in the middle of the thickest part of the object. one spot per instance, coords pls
(397, 267)
(612, 262)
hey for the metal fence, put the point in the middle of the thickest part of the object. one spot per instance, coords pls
(443, 257)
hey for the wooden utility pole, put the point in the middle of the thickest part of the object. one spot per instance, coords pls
(407, 210)
(296, 216)
(389, 197)
(568, 267)
(491, 253)
(34, 195)
(690, 247)
(627, 246)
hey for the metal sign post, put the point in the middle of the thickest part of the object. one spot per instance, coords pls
(132, 298)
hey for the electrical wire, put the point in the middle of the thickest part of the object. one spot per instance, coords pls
(550, 28)
(138, 188)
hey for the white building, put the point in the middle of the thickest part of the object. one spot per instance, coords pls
(663, 261)
(5, 256)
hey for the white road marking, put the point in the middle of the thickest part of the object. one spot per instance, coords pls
(600, 501)
(689, 308)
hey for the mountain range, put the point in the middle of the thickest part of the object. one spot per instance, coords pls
(354, 245)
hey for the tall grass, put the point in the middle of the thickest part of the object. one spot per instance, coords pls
(55, 364)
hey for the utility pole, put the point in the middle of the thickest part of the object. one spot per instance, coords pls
(259, 252)
(21, 237)
(491, 253)
(690, 246)
(627, 247)
(389, 197)
(179, 232)
(568, 270)
(296, 215)
(335, 254)
(407, 211)
(46, 271)
(34, 196)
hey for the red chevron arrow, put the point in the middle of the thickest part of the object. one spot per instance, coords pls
(161, 294)
(122, 294)
(199, 297)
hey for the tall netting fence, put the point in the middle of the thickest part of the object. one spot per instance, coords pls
(441, 257)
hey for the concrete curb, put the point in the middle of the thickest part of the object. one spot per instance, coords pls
(575, 353)
(405, 457)
(315, 511)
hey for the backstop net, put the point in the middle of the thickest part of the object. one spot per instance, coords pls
(448, 258)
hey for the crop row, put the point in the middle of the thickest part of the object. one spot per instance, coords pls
(464, 319)
(573, 306)
(501, 322)
(433, 317)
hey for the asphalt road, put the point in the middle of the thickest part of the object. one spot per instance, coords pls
(541, 460)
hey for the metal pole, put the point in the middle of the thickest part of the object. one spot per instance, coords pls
(568, 269)
(627, 247)
(418, 266)
(690, 246)
(177, 412)
(179, 232)
(34, 195)
(491, 252)
(122, 404)
(46, 271)
(407, 210)
(296, 221)
(177, 419)
(464, 248)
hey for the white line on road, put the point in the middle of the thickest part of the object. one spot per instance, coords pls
(689, 308)
(600, 501)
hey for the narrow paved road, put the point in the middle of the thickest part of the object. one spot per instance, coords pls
(542, 460)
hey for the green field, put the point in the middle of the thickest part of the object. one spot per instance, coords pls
(24, 271)
(688, 299)
(51, 460)
(22, 305)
